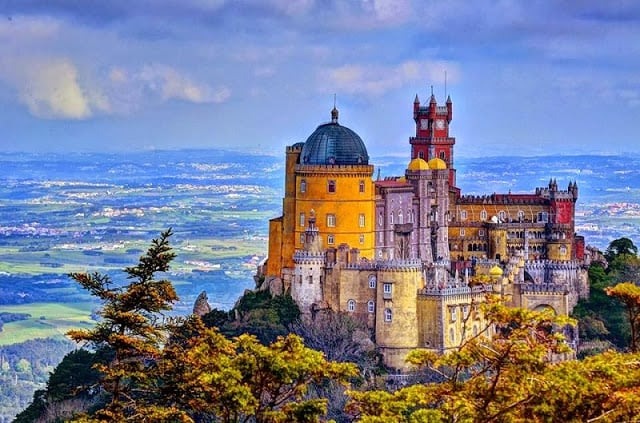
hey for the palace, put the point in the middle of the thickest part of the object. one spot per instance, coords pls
(411, 255)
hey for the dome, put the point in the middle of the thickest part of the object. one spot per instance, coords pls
(437, 164)
(495, 271)
(418, 164)
(333, 143)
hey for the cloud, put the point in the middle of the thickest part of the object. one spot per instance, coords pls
(376, 81)
(169, 84)
(51, 88)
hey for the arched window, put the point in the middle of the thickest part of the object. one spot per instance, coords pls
(331, 186)
(372, 281)
(400, 217)
(330, 239)
(502, 215)
(391, 218)
(520, 215)
(351, 305)
(483, 215)
(371, 306)
(388, 315)
(361, 186)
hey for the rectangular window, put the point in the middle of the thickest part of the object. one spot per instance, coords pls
(331, 220)
(361, 238)
(463, 215)
(301, 219)
(465, 311)
(331, 186)
(386, 290)
(480, 232)
(454, 313)
(388, 315)
(483, 215)
(302, 238)
(461, 231)
(361, 186)
(330, 240)
(303, 186)
(361, 220)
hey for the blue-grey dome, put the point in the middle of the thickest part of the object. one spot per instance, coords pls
(333, 143)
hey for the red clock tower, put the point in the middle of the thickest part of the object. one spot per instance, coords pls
(432, 134)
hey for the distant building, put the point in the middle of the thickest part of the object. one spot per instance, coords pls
(410, 254)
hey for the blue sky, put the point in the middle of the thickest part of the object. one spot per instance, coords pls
(525, 77)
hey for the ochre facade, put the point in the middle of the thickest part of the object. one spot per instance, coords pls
(411, 255)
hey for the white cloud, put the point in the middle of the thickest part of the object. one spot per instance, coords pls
(171, 84)
(376, 81)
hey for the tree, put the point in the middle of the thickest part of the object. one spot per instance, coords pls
(619, 247)
(488, 378)
(132, 326)
(629, 294)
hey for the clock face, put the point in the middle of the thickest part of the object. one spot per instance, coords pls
(440, 124)
(424, 123)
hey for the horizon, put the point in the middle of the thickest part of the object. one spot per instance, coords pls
(533, 79)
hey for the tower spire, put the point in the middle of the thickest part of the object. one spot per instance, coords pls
(334, 112)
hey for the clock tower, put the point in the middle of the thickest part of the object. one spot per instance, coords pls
(432, 138)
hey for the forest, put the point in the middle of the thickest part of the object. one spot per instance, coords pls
(263, 362)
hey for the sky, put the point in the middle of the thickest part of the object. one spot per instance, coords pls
(525, 77)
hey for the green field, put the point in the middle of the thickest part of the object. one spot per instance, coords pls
(47, 320)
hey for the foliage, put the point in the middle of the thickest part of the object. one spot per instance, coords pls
(629, 294)
(258, 313)
(601, 317)
(490, 377)
(131, 327)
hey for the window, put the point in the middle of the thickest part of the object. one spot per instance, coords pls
(543, 217)
(371, 306)
(386, 290)
(351, 305)
(520, 215)
(361, 186)
(372, 281)
(502, 215)
(380, 238)
(465, 311)
(330, 240)
(461, 231)
(391, 218)
(331, 220)
(400, 217)
(303, 186)
(361, 238)
(421, 154)
(301, 219)
(361, 220)
(388, 315)
(480, 232)
(302, 238)
(483, 215)
(442, 155)
(454, 313)
(331, 186)
(380, 219)
(563, 250)
(463, 215)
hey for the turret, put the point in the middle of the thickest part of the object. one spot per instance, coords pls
(416, 108)
(449, 109)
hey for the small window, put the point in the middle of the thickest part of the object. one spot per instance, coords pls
(361, 238)
(380, 238)
(330, 240)
(302, 238)
(465, 311)
(421, 154)
(331, 186)
(371, 306)
(391, 218)
(380, 219)
(480, 232)
(483, 215)
(461, 231)
(463, 215)
(520, 215)
(372, 281)
(351, 305)
(443, 155)
(563, 250)
(361, 220)
(388, 315)
(386, 291)
(303, 186)
(301, 219)
(331, 220)
(361, 186)
(502, 215)
(454, 313)
(400, 217)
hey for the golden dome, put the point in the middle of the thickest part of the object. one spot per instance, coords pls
(418, 164)
(437, 164)
(495, 271)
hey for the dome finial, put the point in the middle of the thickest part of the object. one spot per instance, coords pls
(334, 112)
